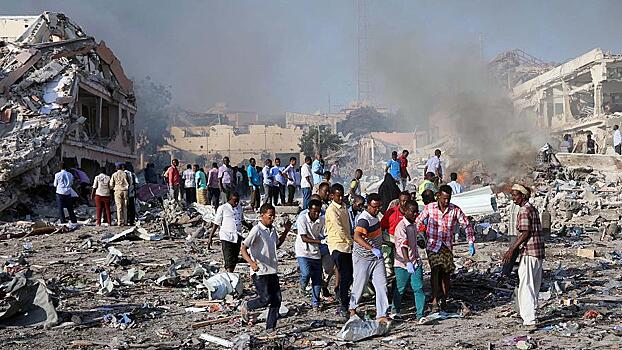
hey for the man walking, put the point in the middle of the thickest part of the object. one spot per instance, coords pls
(367, 259)
(440, 219)
(226, 179)
(404, 174)
(255, 183)
(63, 181)
(393, 167)
(189, 185)
(434, 165)
(617, 140)
(213, 186)
(173, 180)
(310, 227)
(408, 265)
(120, 185)
(531, 244)
(228, 221)
(339, 240)
(259, 251)
(306, 182)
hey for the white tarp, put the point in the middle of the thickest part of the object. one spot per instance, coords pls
(475, 202)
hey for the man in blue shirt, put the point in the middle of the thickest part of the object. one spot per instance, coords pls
(280, 181)
(393, 167)
(317, 169)
(63, 181)
(254, 182)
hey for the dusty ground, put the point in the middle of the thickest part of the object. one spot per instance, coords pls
(160, 316)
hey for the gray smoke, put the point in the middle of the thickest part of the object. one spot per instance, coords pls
(432, 82)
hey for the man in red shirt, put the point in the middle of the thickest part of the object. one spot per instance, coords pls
(404, 175)
(389, 221)
(174, 179)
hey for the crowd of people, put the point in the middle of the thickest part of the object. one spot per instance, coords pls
(567, 144)
(368, 242)
(359, 242)
(71, 186)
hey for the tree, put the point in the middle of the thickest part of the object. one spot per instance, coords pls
(366, 119)
(152, 117)
(319, 139)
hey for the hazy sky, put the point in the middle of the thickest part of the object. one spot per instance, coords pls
(274, 56)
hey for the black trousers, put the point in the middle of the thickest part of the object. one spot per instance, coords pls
(214, 196)
(268, 294)
(274, 195)
(65, 201)
(618, 149)
(191, 195)
(255, 197)
(131, 210)
(282, 193)
(291, 190)
(343, 262)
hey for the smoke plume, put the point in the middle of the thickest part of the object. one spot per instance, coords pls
(432, 83)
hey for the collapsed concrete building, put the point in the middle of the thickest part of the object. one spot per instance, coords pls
(63, 97)
(576, 96)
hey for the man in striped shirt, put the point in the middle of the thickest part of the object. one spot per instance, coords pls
(367, 259)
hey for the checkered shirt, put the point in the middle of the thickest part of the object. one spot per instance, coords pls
(440, 225)
(528, 220)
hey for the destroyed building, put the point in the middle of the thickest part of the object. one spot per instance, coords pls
(63, 97)
(589, 85)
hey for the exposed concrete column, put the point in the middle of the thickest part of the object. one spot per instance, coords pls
(566, 95)
(598, 99)
(98, 117)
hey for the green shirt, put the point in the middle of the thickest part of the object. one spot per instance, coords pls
(199, 178)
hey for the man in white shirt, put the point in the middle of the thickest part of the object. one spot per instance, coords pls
(564, 146)
(268, 182)
(63, 181)
(229, 220)
(310, 227)
(189, 185)
(306, 182)
(259, 251)
(456, 187)
(290, 173)
(433, 165)
(617, 140)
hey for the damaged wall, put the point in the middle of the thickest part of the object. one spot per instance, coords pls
(225, 140)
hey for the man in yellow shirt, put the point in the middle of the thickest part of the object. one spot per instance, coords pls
(339, 240)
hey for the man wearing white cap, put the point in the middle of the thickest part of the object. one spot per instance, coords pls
(531, 243)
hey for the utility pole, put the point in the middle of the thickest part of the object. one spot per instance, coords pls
(363, 84)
